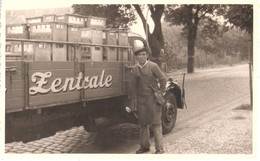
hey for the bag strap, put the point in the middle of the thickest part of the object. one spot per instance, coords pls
(146, 80)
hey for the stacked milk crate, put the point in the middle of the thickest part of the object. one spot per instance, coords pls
(13, 48)
(92, 33)
(46, 28)
(69, 28)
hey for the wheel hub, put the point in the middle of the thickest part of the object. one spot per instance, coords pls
(169, 112)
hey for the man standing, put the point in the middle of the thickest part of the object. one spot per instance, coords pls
(149, 112)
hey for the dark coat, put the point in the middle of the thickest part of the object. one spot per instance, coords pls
(148, 111)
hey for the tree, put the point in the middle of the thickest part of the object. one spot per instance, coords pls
(174, 46)
(242, 16)
(155, 39)
(209, 31)
(117, 15)
(190, 16)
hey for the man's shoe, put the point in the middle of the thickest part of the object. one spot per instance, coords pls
(142, 150)
(159, 152)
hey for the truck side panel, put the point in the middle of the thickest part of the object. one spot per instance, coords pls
(47, 84)
(111, 68)
(60, 70)
(14, 87)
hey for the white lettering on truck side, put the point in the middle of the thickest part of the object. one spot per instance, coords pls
(39, 83)
(57, 85)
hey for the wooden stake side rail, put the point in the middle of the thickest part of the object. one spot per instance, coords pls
(68, 43)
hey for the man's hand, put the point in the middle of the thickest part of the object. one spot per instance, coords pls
(133, 104)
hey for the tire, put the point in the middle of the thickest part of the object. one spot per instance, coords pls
(89, 124)
(169, 113)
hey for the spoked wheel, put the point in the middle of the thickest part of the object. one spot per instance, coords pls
(169, 113)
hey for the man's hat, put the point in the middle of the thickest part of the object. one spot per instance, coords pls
(140, 50)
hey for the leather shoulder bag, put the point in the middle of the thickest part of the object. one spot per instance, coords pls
(158, 95)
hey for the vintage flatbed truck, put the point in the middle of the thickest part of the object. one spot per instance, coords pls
(49, 88)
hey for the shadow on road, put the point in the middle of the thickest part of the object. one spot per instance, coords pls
(110, 140)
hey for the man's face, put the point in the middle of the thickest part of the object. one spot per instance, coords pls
(142, 57)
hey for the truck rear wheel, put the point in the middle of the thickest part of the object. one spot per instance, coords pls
(169, 113)
(89, 124)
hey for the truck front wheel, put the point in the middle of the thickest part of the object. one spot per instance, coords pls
(169, 113)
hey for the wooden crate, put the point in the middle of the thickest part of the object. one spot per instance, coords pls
(91, 35)
(90, 53)
(42, 52)
(110, 38)
(71, 19)
(59, 52)
(32, 20)
(123, 38)
(49, 31)
(14, 50)
(49, 18)
(74, 33)
(20, 31)
(95, 22)
(123, 54)
(74, 53)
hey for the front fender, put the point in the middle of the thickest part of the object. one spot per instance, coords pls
(174, 87)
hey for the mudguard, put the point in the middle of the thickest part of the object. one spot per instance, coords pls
(174, 87)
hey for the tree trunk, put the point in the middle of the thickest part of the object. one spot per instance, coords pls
(192, 34)
(155, 40)
(191, 47)
(191, 42)
(155, 48)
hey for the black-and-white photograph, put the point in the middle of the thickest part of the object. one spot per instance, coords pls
(128, 78)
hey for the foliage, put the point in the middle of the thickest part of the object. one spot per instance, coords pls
(234, 41)
(175, 51)
(189, 16)
(117, 15)
(228, 47)
(208, 32)
(240, 16)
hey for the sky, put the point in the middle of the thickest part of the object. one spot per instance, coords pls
(38, 4)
